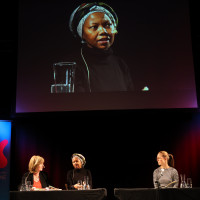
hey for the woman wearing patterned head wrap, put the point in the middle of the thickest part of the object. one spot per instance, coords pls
(98, 69)
(78, 173)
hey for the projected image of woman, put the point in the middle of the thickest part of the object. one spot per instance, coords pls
(98, 68)
(165, 175)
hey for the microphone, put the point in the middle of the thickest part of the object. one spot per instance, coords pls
(157, 184)
(26, 178)
(87, 68)
(161, 173)
(115, 31)
(83, 41)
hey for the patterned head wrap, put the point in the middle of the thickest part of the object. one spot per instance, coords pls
(81, 13)
(80, 157)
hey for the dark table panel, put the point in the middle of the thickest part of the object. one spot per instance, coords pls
(157, 194)
(94, 194)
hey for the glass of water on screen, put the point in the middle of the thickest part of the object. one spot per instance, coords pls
(64, 76)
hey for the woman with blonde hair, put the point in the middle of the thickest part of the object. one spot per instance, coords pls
(165, 175)
(38, 178)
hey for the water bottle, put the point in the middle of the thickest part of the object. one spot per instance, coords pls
(183, 183)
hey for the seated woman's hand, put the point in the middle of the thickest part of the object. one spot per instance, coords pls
(77, 186)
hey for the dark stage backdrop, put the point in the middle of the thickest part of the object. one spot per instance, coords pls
(120, 149)
(119, 153)
(153, 38)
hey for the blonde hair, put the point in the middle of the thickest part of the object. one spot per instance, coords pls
(170, 158)
(34, 162)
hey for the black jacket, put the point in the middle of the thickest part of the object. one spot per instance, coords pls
(107, 72)
(77, 174)
(43, 178)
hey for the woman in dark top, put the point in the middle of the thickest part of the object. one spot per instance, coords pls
(38, 178)
(78, 173)
(98, 68)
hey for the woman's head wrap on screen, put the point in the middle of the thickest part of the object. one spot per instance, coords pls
(82, 12)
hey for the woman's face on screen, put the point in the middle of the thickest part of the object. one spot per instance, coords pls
(98, 31)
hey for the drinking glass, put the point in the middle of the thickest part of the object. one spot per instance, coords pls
(183, 183)
(28, 185)
(23, 187)
(86, 185)
(80, 182)
(189, 182)
(64, 76)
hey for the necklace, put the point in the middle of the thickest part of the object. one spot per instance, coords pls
(36, 178)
